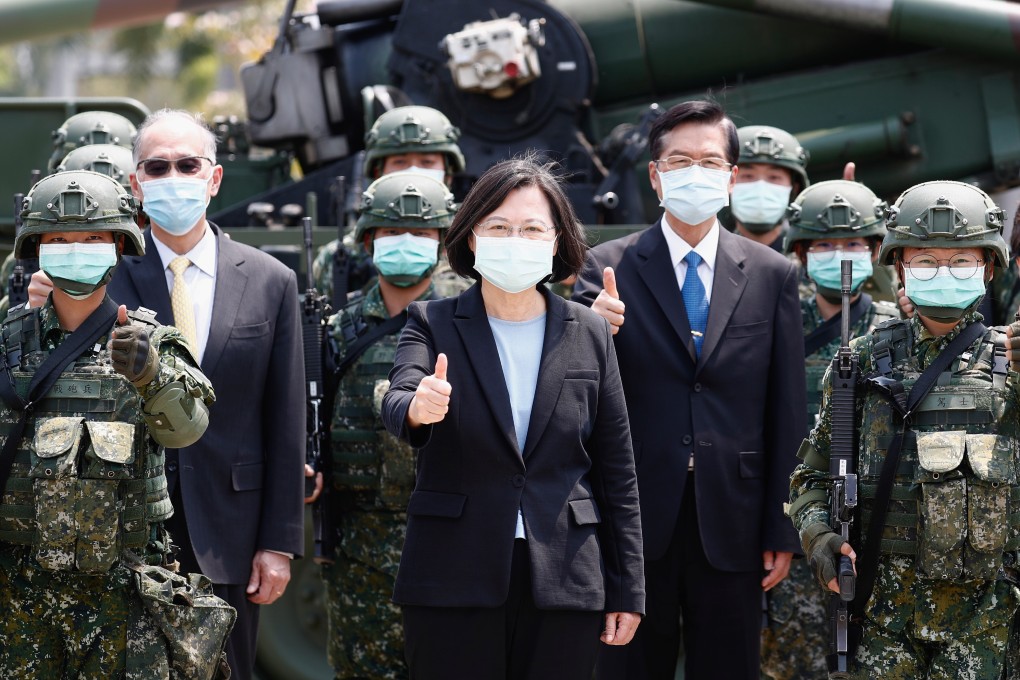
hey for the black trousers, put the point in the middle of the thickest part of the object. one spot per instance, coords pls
(243, 638)
(721, 615)
(515, 641)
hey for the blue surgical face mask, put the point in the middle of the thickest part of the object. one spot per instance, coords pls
(176, 204)
(438, 175)
(759, 205)
(406, 259)
(824, 269)
(78, 269)
(944, 296)
(693, 195)
(513, 264)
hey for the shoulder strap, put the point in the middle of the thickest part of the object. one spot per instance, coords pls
(867, 568)
(356, 349)
(829, 329)
(93, 328)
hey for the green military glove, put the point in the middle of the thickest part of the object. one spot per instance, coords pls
(1013, 345)
(132, 355)
(822, 549)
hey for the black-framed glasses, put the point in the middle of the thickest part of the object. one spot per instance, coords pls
(671, 163)
(188, 165)
(961, 265)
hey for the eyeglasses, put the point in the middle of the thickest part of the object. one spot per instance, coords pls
(826, 250)
(188, 165)
(924, 267)
(671, 163)
(535, 231)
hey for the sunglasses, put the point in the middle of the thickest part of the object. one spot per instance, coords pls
(157, 167)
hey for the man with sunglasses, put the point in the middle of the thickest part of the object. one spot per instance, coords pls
(938, 422)
(237, 493)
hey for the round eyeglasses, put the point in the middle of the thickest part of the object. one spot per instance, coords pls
(924, 267)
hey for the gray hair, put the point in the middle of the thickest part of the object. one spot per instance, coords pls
(179, 116)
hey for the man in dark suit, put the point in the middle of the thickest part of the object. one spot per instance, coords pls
(712, 364)
(237, 493)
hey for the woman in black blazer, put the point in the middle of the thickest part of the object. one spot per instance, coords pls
(523, 536)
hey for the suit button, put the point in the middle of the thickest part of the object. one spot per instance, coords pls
(171, 467)
(687, 439)
(697, 387)
(518, 481)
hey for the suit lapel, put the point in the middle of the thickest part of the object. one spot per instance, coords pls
(472, 325)
(660, 277)
(149, 280)
(727, 287)
(560, 330)
(231, 280)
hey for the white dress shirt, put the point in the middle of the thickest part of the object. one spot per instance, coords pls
(201, 279)
(707, 249)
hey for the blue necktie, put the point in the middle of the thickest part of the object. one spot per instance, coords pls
(695, 300)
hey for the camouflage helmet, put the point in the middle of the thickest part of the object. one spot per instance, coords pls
(107, 159)
(91, 127)
(835, 209)
(772, 146)
(412, 129)
(78, 200)
(944, 214)
(405, 199)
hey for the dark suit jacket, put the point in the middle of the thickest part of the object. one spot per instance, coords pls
(242, 482)
(739, 407)
(575, 480)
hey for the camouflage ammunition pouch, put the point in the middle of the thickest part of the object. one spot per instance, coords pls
(965, 520)
(193, 622)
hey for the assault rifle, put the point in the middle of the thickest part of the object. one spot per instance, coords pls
(312, 332)
(844, 371)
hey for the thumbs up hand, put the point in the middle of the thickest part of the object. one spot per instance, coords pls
(432, 398)
(608, 304)
(131, 353)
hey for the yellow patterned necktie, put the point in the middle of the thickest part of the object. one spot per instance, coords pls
(180, 301)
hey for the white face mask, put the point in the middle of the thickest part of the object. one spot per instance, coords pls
(693, 195)
(513, 264)
(760, 203)
(438, 175)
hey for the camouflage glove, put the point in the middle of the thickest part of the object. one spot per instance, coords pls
(821, 547)
(1013, 344)
(132, 355)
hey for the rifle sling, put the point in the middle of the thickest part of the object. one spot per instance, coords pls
(94, 327)
(829, 329)
(867, 568)
(359, 346)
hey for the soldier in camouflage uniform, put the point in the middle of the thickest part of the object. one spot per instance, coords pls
(828, 222)
(944, 593)
(415, 138)
(402, 218)
(108, 159)
(82, 587)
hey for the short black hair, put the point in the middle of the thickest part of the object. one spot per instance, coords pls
(489, 192)
(702, 111)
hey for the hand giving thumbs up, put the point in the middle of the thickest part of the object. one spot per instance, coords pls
(432, 398)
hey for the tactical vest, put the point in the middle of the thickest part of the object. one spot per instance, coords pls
(371, 468)
(817, 363)
(955, 500)
(87, 480)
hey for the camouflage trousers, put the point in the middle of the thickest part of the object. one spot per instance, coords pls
(66, 625)
(366, 635)
(794, 645)
(892, 655)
